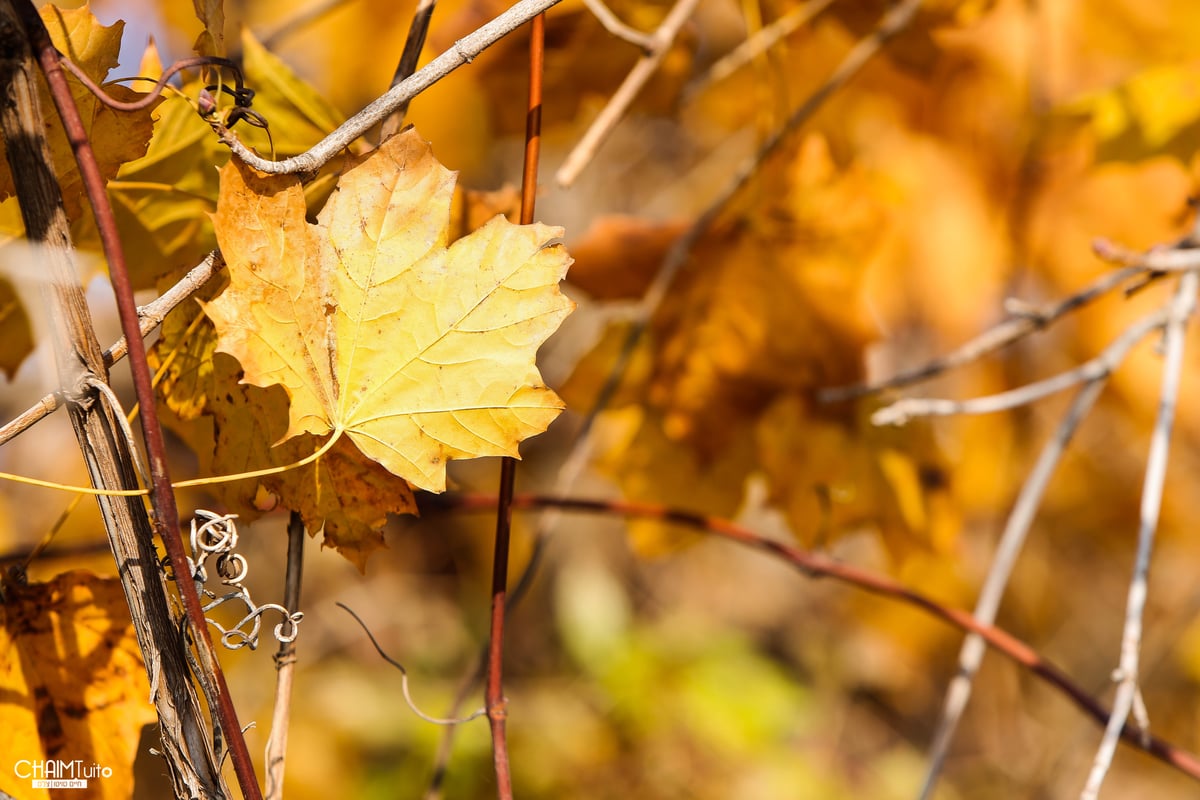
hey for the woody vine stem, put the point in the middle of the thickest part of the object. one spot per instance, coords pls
(166, 514)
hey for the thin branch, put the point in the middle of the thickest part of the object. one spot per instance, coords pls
(761, 41)
(1024, 322)
(166, 515)
(463, 51)
(1181, 308)
(1100, 367)
(611, 23)
(1020, 520)
(668, 270)
(618, 105)
(150, 316)
(814, 565)
(413, 44)
(285, 663)
(495, 701)
(404, 678)
(304, 18)
(1178, 257)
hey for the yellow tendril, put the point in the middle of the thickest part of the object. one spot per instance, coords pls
(238, 476)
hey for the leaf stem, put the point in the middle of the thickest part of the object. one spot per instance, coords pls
(259, 473)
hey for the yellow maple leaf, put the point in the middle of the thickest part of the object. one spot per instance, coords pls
(417, 351)
(74, 686)
(343, 496)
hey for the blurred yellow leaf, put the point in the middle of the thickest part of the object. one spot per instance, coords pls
(211, 14)
(832, 475)
(1155, 112)
(650, 467)
(15, 330)
(73, 684)
(786, 265)
(770, 310)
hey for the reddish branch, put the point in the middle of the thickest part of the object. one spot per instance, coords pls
(817, 566)
(497, 705)
(147, 99)
(166, 515)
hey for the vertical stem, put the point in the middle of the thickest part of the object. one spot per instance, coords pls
(1182, 306)
(533, 120)
(166, 515)
(407, 65)
(1012, 541)
(497, 707)
(186, 748)
(285, 663)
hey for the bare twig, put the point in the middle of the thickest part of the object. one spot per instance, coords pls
(1180, 310)
(1097, 368)
(495, 701)
(407, 65)
(461, 52)
(1028, 320)
(1181, 256)
(818, 566)
(970, 656)
(150, 316)
(166, 515)
(285, 663)
(302, 19)
(609, 21)
(404, 677)
(612, 113)
(668, 270)
(761, 41)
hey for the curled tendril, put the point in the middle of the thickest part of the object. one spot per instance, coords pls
(215, 538)
(404, 679)
(206, 103)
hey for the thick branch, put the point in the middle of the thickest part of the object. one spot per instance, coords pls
(462, 52)
(162, 494)
(185, 743)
